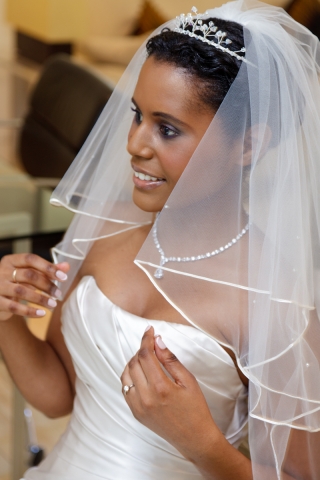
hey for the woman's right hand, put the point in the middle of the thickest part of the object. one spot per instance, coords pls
(29, 278)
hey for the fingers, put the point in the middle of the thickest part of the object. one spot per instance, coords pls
(29, 278)
(134, 371)
(135, 374)
(35, 279)
(143, 370)
(19, 291)
(34, 271)
(146, 359)
(13, 307)
(34, 262)
(126, 380)
(178, 372)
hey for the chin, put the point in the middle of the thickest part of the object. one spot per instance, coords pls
(147, 203)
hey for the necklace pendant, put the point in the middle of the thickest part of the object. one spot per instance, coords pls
(158, 273)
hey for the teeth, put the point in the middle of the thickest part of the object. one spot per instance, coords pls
(142, 176)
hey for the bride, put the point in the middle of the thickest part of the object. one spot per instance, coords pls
(199, 284)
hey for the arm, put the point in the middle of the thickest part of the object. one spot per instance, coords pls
(42, 370)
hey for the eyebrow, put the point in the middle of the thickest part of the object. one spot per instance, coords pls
(166, 116)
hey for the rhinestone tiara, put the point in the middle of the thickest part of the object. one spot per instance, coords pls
(220, 41)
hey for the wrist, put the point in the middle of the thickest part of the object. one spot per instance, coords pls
(217, 459)
(206, 445)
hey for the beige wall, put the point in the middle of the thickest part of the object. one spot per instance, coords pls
(66, 20)
(6, 34)
(50, 20)
(171, 8)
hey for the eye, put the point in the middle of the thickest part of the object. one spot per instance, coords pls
(137, 116)
(168, 131)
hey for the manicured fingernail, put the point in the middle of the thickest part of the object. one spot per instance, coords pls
(61, 275)
(52, 303)
(148, 328)
(57, 293)
(161, 343)
(40, 313)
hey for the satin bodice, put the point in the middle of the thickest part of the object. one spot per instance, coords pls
(103, 439)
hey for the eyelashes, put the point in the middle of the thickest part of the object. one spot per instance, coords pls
(137, 116)
(166, 131)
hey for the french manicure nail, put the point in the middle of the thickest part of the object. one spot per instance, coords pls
(52, 303)
(148, 328)
(61, 275)
(57, 293)
(40, 313)
(161, 343)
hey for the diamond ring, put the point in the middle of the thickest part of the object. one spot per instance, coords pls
(126, 388)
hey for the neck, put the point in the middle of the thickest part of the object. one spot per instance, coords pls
(220, 216)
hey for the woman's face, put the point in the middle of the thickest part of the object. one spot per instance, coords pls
(169, 122)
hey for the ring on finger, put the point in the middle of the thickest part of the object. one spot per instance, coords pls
(14, 276)
(126, 388)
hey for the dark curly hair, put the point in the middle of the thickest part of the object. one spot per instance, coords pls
(213, 69)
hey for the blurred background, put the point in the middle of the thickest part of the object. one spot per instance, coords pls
(59, 62)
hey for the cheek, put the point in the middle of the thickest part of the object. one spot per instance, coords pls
(174, 166)
(175, 161)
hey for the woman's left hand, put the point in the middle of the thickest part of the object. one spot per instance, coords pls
(174, 409)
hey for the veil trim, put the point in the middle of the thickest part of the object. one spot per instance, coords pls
(221, 282)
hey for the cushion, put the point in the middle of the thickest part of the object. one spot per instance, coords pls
(150, 18)
(113, 17)
(117, 50)
(169, 9)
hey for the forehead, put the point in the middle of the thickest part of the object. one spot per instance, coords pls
(162, 86)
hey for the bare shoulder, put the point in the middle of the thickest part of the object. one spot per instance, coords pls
(111, 263)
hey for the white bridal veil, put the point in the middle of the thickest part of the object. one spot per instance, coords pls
(270, 277)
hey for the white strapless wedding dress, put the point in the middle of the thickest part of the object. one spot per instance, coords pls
(103, 439)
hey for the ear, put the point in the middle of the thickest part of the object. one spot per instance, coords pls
(260, 132)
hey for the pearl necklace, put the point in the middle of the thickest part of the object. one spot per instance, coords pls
(163, 259)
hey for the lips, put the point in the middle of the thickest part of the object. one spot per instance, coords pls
(145, 181)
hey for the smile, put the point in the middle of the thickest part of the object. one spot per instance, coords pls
(146, 182)
(147, 178)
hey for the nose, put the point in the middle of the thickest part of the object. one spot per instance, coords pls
(139, 142)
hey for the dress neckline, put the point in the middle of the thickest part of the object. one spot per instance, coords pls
(182, 326)
(126, 312)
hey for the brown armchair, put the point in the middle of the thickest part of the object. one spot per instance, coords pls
(63, 107)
